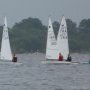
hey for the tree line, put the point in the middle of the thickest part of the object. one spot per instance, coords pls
(29, 35)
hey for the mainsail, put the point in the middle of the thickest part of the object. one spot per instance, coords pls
(62, 39)
(51, 49)
(5, 45)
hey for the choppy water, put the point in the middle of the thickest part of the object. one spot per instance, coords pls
(32, 75)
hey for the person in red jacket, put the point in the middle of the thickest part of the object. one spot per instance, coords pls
(60, 57)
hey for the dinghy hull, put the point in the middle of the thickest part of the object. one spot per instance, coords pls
(59, 62)
(63, 62)
(8, 62)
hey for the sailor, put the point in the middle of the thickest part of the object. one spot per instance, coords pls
(14, 58)
(60, 57)
(69, 58)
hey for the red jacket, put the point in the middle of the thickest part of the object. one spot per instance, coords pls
(60, 58)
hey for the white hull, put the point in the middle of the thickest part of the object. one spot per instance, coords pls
(58, 62)
(9, 62)
(63, 62)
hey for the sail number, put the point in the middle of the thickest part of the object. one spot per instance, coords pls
(63, 33)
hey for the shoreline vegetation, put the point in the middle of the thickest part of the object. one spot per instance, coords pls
(29, 36)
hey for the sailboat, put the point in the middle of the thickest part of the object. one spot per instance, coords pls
(6, 54)
(51, 48)
(51, 45)
(60, 45)
(62, 39)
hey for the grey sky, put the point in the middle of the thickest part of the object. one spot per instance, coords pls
(16, 10)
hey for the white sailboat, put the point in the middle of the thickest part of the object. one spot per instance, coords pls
(54, 47)
(59, 46)
(6, 54)
(51, 49)
(62, 39)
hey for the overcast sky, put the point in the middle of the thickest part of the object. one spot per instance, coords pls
(16, 10)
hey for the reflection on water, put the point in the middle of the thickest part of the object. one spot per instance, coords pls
(32, 75)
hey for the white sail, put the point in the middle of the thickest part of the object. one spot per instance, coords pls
(51, 50)
(5, 45)
(62, 39)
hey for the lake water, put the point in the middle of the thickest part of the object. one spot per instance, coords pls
(33, 75)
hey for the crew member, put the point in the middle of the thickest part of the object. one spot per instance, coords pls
(69, 58)
(14, 58)
(60, 57)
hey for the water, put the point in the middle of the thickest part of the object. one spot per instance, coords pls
(32, 75)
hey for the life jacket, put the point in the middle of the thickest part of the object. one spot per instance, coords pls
(60, 58)
(69, 58)
(14, 59)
